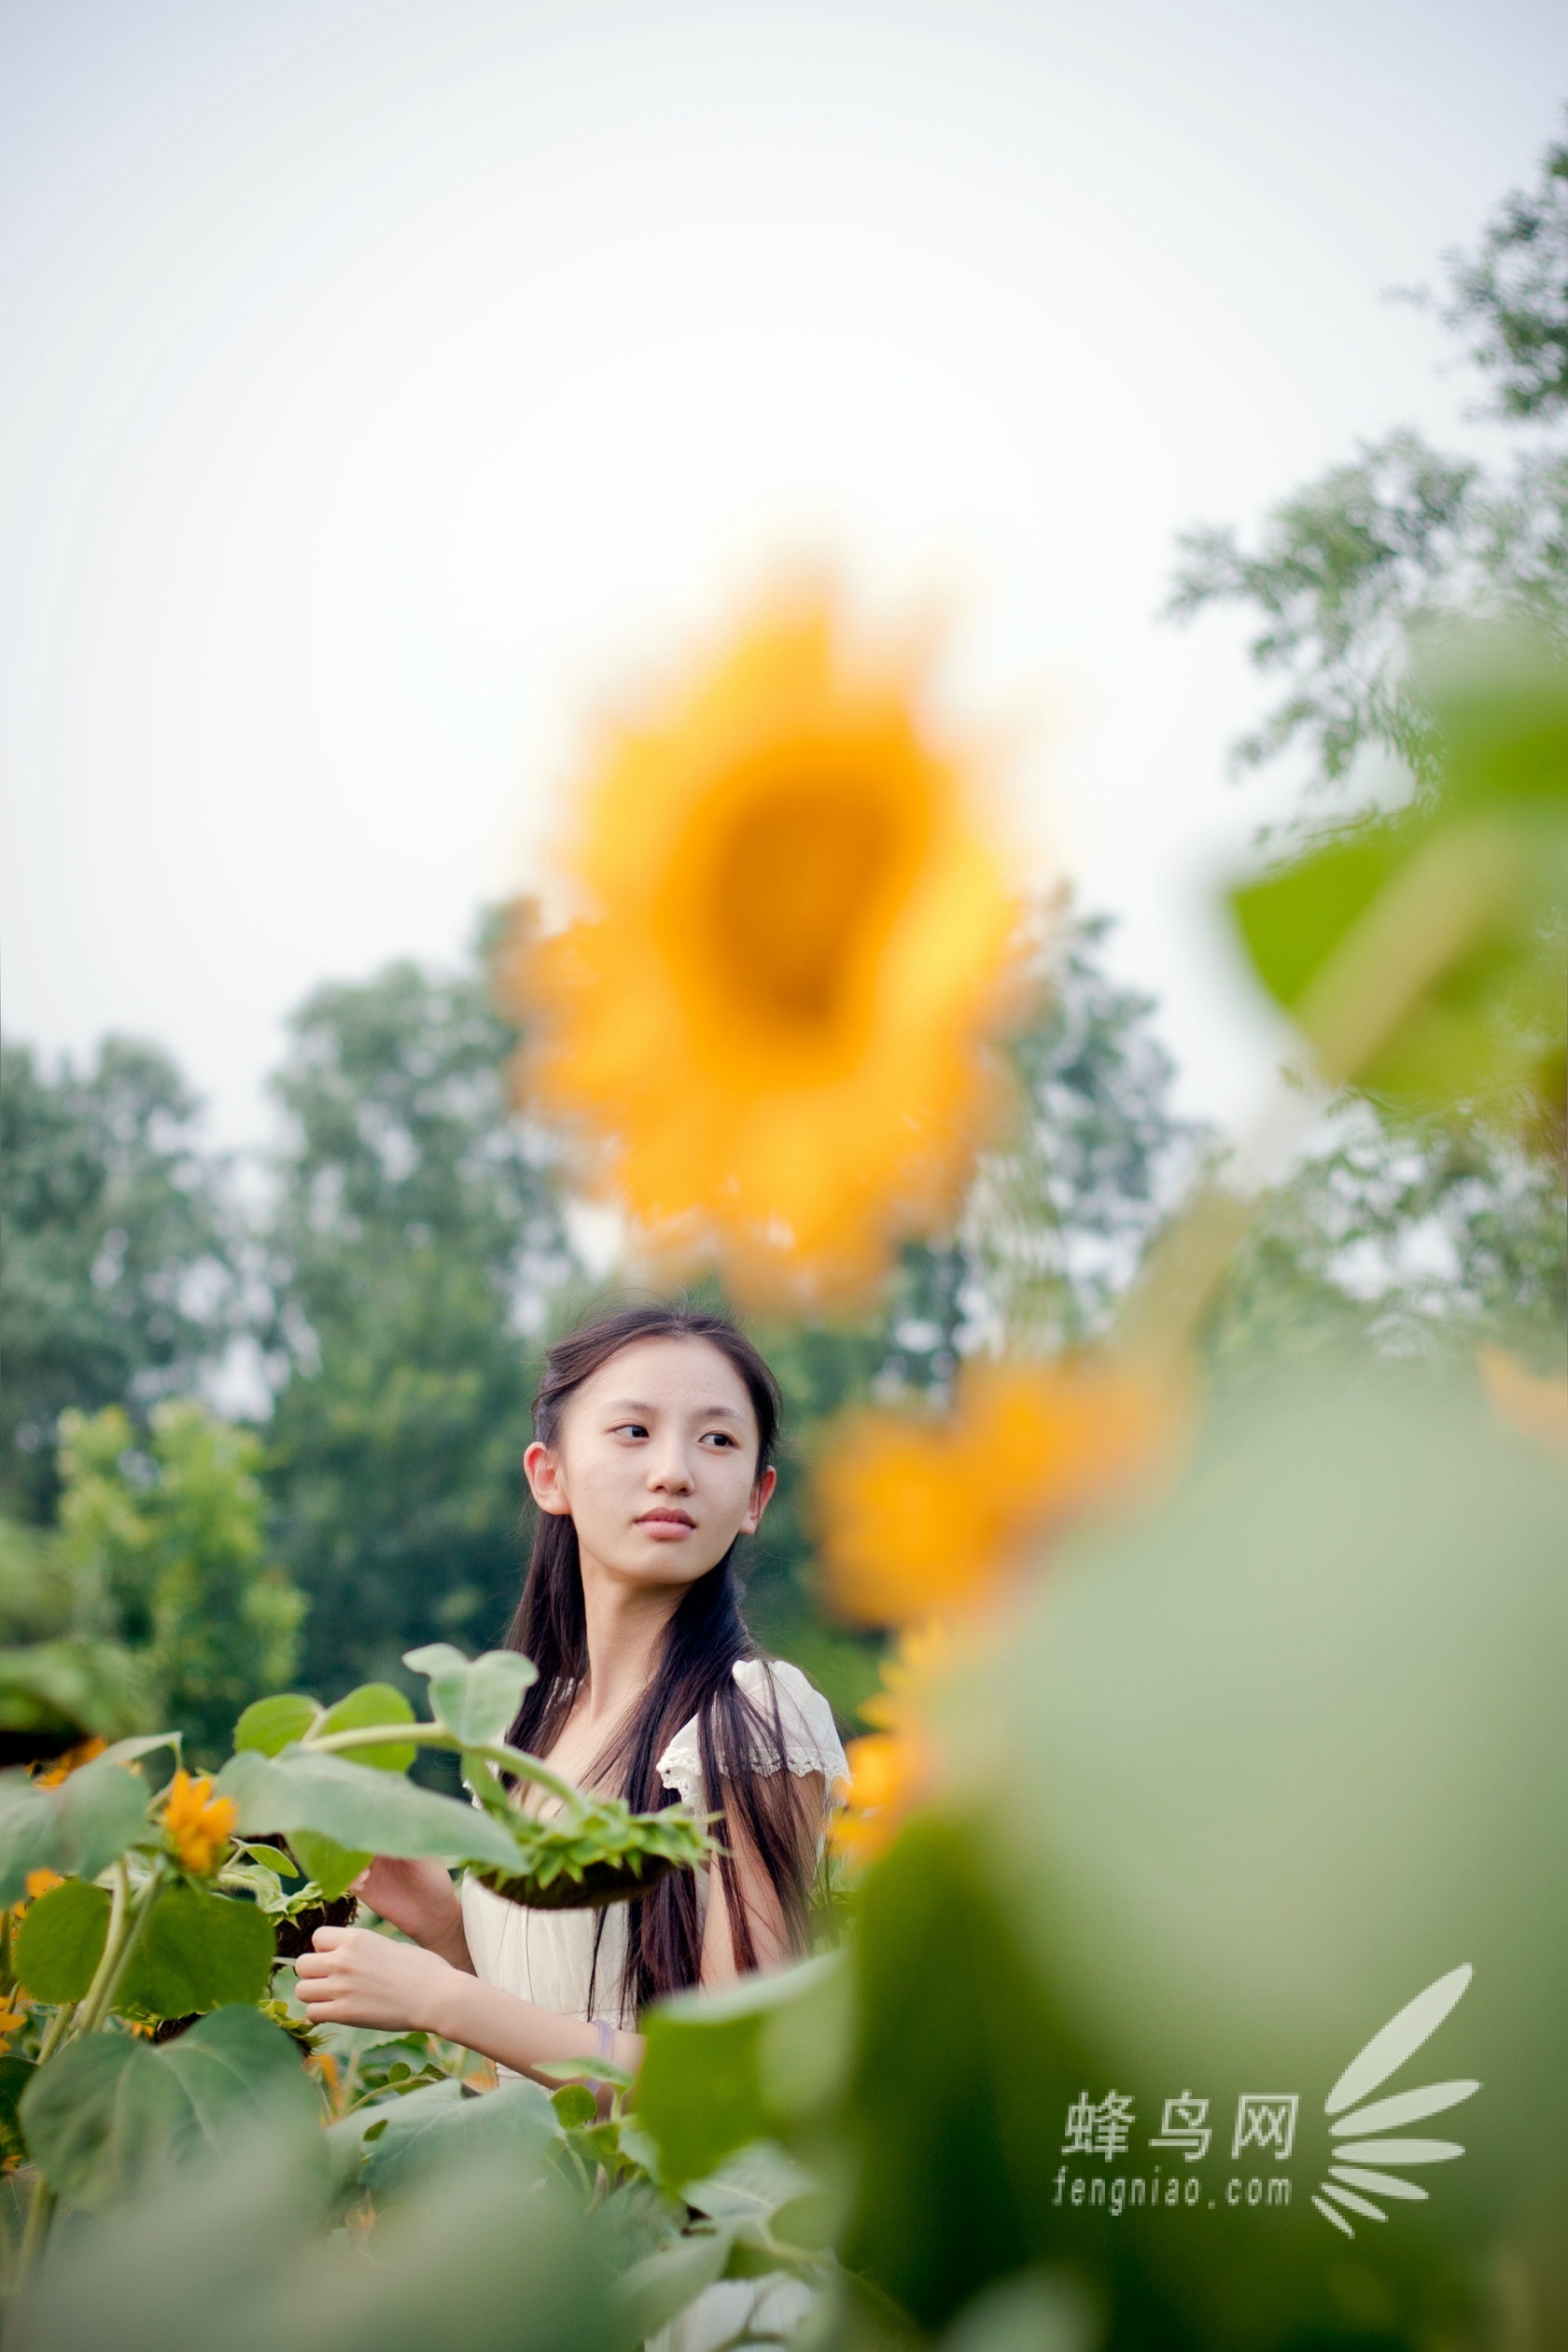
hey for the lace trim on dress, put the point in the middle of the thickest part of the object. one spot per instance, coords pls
(811, 1741)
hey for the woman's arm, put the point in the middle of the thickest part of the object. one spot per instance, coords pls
(357, 1977)
(770, 1931)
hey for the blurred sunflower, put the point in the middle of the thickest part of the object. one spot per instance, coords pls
(924, 1515)
(773, 1029)
(893, 1765)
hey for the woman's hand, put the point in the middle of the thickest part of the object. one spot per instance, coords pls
(420, 1898)
(356, 1977)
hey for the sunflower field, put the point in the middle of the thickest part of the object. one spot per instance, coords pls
(1201, 1870)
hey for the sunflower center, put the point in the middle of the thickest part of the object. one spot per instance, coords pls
(798, 875)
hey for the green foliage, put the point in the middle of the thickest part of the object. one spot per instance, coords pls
(119, 1252)
(760, 2059)
(1422, 953)
(60, 1941)
(476, 1699)
(1512, 294)
(199, 1951)
(103, 2116)
(416, 1229)
(372, 1704)
(399, 2143)
(164, 1542)
(76, 1830)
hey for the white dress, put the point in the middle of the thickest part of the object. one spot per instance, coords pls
(547, 1956)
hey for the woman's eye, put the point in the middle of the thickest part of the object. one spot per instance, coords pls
(628, 1429)
(719, 1438)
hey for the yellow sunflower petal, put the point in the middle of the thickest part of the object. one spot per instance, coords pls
(922, 1514)
(774, 1027)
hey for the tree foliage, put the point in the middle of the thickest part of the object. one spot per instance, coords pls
(164, 1543)
(119, 1266)
(416, 1232)
(1511, 295)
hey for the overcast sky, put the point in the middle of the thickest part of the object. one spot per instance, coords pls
(390, 385)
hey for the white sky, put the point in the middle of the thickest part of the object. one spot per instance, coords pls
(389, 385)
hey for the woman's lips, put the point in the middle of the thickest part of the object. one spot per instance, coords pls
(666, 1524)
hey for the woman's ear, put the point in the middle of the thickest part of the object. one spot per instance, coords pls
(544, 1473)
(761, 1494)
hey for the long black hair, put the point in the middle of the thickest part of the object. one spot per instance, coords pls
(746, 1777)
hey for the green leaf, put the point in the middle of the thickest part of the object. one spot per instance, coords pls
(360, 1809)
(1423, 953)
(372, 1704)
(199, 1952)
(268, 1725)
(76, 1830)
(99, 2117)
(662, 2283)
(107, 2109)
(60, 1940)
(334, 1868)
(752, 2063)
(574, 2104)
(429, 2129)
(478, 1699)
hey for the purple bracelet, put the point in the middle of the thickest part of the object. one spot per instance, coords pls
(607, 2036)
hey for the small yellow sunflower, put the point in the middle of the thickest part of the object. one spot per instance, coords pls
(774, 1027)
(197, 1823)
(924, 1515)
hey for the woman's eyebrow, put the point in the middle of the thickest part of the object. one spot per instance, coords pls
(704, 1412)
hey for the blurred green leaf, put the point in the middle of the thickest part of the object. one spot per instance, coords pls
(103, 2114)
(512, 2128)
(1424, 952)
(1252, 1774)
(199, 1952)
(372, 1704)
(60, 1940)
(752, 2063)
(268, 1725)
(76, 1830)
(478, 1699)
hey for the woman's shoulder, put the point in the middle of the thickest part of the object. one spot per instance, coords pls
(792, 1728)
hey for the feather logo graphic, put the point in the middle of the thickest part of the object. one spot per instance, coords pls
(1365, 2162)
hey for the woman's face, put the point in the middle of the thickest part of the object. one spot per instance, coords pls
(656, 1462)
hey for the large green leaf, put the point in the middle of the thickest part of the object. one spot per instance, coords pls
(361, 1809)
(76, 1830)
(334, 1868)
(1254, 1772)
(60, 1940)
(108, 2111)
(757, 2060)
(271, 1725)
(372, 1704)
(405, 2139)
(478, 1699)
(198, 1952)
(1425, 953)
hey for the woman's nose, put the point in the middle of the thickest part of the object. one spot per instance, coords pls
(670, 1471)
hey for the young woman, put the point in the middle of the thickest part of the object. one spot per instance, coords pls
(654, 1432)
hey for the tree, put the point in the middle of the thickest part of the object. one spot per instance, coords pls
(415, 1236)
(164, 1543)
(1420, 1235)
(119, 1251)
